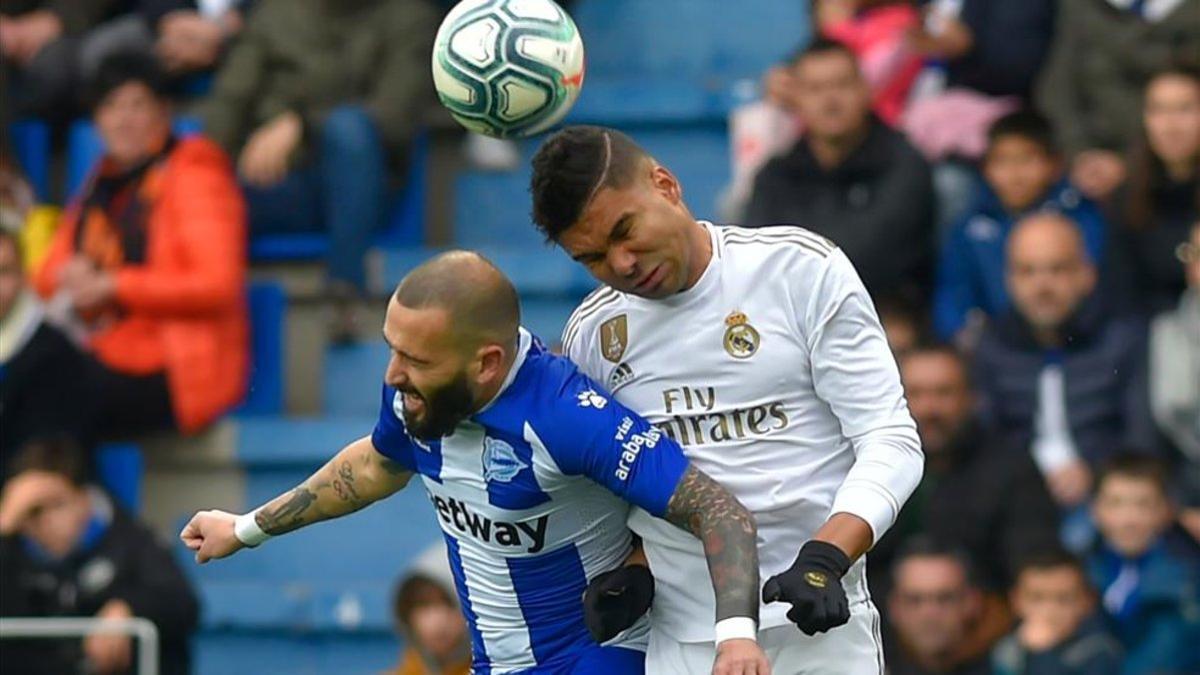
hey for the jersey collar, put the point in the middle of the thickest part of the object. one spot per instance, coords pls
(524, 342)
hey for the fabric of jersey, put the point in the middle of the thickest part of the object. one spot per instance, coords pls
(773, 373)
(532, 494)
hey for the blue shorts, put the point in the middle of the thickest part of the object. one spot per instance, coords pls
(610, 661)
(594, 660)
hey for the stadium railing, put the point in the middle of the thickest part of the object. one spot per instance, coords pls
(65, 627)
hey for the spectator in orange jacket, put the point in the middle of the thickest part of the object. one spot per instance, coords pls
(149, 263)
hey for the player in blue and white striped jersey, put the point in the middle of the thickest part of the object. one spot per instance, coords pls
(531, 469)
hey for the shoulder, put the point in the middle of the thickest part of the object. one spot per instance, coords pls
(1126, 331)
(771, 242)
(591, 311)
(995, 340)
(196, 150)
(896, 144)
(787, 164)
(563, 390)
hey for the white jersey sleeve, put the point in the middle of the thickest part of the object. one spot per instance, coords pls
(855, 373)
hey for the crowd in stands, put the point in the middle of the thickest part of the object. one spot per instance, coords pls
(1016, 181)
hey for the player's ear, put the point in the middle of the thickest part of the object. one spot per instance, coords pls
(490, 363)
(666, 184)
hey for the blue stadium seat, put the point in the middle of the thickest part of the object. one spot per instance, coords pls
(546, 317)
(120, 469)
(31, 143)
(535, 268)
(295, 653)
(674, 61)
(492, 209)
(267, 304)
(353, 375)
(405, 226)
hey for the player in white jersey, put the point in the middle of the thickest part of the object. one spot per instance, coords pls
(760, 352)
(530, 469)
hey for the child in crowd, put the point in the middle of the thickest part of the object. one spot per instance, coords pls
(1147, 571)
(1059, 631)
(1023, 172)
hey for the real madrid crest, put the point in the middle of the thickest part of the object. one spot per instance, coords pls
(741, 339)
(614, 337)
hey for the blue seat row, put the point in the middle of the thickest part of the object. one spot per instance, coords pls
(240, 652)
(679, 60)
(493, 209)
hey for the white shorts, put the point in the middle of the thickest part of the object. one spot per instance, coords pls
(852, 649)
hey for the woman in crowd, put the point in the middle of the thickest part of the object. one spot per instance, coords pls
(1158, 204)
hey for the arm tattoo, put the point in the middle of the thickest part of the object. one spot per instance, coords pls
(345, 484)
(727, 530)
(289, 515)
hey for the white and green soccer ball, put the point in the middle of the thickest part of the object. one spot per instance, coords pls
(508, 68)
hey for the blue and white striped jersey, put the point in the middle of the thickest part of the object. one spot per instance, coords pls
(532, 494)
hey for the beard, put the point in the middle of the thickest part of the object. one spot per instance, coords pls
(444, 409)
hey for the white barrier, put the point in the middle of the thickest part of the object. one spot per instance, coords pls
(64, 627)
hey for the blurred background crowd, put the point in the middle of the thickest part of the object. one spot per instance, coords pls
(204, 203)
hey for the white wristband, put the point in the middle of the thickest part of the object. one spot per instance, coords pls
(246, 529)
(736, 628)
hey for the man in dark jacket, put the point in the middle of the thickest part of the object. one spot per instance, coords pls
(1055, 373)
(850, 177)
(69, 551)
(974, 495)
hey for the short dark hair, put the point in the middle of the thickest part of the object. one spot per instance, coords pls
(1139, 466)
(122, 68)
(60, 455)
(415, 591)
(571, 166)
(936, 348)
(1049, 559)
(822, 45)
(1027, 124)
(926, 546)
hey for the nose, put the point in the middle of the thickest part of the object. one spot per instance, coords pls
(396, 375)
(622, 261)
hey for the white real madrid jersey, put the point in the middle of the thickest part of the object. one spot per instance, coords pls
(773, 373)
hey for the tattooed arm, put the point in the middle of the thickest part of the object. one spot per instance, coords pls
(701, 506)
(356, 477)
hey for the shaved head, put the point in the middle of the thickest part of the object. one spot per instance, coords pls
(452, 326)
(479, 300)
(1049, 272)
(1046, 229)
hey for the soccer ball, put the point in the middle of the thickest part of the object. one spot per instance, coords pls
(508, 68)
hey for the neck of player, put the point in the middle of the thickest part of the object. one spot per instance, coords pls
(489, 390)
(700, 245)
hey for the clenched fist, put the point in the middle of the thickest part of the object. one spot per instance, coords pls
(210, 535)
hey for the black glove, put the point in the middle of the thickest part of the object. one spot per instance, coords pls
(616, 599)
(813, 585)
